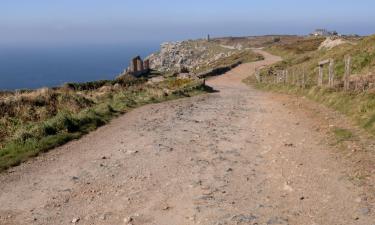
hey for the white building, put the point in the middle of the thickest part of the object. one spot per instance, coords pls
(323, 32)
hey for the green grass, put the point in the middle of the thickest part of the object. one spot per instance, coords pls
(342, 134)
(34, 137)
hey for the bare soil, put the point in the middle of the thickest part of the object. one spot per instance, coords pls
(238, 156)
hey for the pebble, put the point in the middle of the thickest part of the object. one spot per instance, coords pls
(76, 220)
(128, 220)
(165, 208)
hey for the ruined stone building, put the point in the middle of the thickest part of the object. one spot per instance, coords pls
(138, 67)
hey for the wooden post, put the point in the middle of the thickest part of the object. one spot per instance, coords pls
(278, 76)
(321, 72)
(320, 76)
(347, 73)
(331, 76)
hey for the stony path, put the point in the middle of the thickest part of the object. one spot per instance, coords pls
(233, 157)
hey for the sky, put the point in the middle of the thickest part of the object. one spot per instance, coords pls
(33, 22)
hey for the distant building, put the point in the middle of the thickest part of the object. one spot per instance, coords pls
(208, 38)
(323, 33)
(138, 67)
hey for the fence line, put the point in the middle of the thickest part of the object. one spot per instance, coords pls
(299, 77)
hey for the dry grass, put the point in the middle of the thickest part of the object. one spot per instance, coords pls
(358, 103)
(36, 121)
(257, 41)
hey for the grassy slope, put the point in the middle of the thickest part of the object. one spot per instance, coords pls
(305, 54)
(78, 114)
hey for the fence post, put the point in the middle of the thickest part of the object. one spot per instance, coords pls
(347, 72)
(331, 73)
(275, 81)
(320, 76)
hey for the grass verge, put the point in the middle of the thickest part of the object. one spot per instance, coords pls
(358, 106)
(32, 138)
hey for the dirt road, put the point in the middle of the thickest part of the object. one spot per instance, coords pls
(237, 156)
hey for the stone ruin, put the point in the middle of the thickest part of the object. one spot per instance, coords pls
(138, 67)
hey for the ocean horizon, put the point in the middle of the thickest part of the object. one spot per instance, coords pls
(52, 66)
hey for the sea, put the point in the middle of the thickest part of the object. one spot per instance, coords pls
(32, 67)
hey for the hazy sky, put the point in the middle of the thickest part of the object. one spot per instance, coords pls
(125, 21)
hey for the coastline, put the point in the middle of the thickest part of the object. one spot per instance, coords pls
(38, 67)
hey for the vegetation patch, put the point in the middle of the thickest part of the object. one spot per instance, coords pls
(304, 55)
(342, 134)
(33, 122)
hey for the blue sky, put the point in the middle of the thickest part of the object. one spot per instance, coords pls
(124, 21)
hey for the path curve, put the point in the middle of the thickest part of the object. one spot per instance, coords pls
(237, 156)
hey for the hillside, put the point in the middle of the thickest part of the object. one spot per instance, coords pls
(198, 56)
(298, 73)
(307, 54)
(257, 41)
